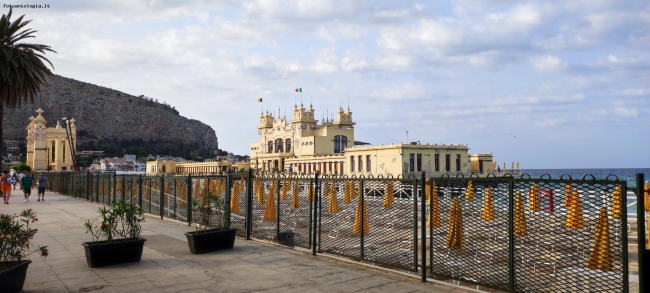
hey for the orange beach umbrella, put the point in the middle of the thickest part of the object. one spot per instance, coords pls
(259, 191)
(488, 206)
(333, 206)
(646, 192)
(568, 194)
(455, 232)
(285, 190)
(469, 192)
(616, 202)
(389, 197)
(601, 255)
(434, 214)
(574, 216)
(521, 229)
(234, 197)
(295, 200)
(347, 192)
(533, 198)
(269, 211)
(357, 219)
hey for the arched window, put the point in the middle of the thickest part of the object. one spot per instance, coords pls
(278, 145)
(270, 147)
(288, 145)
(340, 142)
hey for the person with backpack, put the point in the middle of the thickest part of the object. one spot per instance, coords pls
(42, 185)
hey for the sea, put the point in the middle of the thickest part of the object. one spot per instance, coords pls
(624, 174)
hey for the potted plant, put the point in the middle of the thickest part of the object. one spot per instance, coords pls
(211, 234)
(15, 235)
(120, 228)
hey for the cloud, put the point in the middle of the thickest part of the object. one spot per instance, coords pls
(548, 62)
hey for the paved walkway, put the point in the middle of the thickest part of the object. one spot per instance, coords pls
(168, 266)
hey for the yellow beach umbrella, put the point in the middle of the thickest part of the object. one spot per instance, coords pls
(204, 187)
(434, 214)
(285, 190)
(389, 197)
(259, 191)
(310, 193)
(357, 219)
(469, 192)
(574, 217)
(333, 206)
(517, 165)
(326, 188)
(147, 194)
(347, 192)
(455, 232)
(295, 200)
(567, 195)
(234, 197)
(533, 198)
(616, 202)
(494, 165)
(521, 229)
(488, 206)
(646, 194)
(513, 165)
(427, 190)
(269, 211)
(601, 255)
(358, 191)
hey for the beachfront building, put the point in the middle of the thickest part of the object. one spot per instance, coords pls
(49, 148)
(170, 167)
(303, 146)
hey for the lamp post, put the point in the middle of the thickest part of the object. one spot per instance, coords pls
(73, 153)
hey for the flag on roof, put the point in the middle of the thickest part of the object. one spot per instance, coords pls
(259, 100)
(299, 90)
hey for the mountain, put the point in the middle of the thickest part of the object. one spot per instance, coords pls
(114, 121)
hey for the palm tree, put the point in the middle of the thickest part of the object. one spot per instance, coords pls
(22, 69)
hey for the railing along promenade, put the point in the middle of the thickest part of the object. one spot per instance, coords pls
(513, 234)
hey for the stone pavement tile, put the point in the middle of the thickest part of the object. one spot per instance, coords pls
(54, 285)
(86, 285)
(125, 280)
(341, 277)
(366, 282)
(134, 287)
(198, 277)
(189, 287)
(172, 281)
(116, 272)
(74, 275)
(77, 281)
(403, 287)
(160, 275)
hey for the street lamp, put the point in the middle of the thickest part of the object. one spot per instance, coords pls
(73, 153)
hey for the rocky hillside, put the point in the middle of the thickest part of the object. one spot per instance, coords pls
(113, 121)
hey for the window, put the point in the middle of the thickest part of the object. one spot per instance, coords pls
(368, 169)
(360, 163)
(419, 162)
(351, 163)
(288, 145)
(340, 142)
(437, 162)
(447, 162)
(457, 162)
(278, 145)
(411, 163)
(270, 147)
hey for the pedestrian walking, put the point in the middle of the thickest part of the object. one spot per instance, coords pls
(42, 185)
(5, 186)
(15, 183)
(27, 183)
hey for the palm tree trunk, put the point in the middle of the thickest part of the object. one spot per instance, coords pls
(2, 116)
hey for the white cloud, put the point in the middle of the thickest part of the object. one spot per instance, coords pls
(548, 62)
(550, 122)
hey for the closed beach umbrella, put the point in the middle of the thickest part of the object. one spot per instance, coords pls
(347, 192)
(147, 194)
(521, 229)
(427, 189)
(389, 197)
(295, 200)
(494, 165)
(285, 190)
(204, 187)
(269, 211)
(333, 206)
(326, 189)
(310, 193)
(517, 165)
(616, 202)
(488, 206)
(234, 197)
(434, 214)
(574, 217)
(469, 192)
(567, 195)
(513, 165)
(358, 192)
(357, 219)
(533, 198)
(601, 255)
(455, 232)
(259, 191)
(646, 193)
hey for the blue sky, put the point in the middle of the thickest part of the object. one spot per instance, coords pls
(569, 79)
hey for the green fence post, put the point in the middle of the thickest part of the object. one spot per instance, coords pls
(423, 228)
(361, 216)
(644, 273)
(314, 198)
(249, 204)
(511, 235)
(189, 200)
(99, 176)
(114, 187)
(161, 201)
(123, 187)
(226, 216)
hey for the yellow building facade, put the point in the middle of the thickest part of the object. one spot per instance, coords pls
(303, 146)
(183, 168)
(49, 148)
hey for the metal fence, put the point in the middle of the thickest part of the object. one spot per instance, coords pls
(511, 234)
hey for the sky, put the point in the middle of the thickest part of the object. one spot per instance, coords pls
(549, 84)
